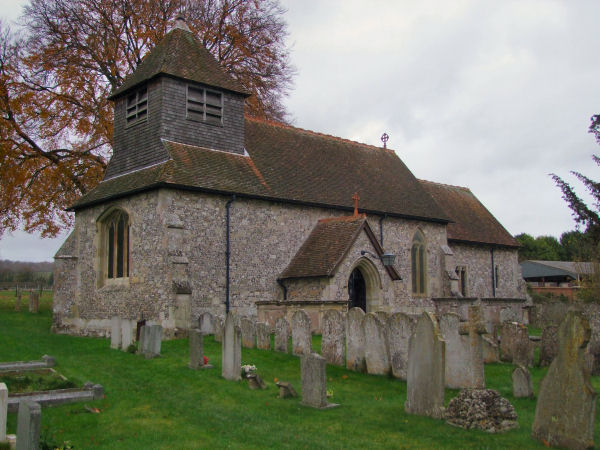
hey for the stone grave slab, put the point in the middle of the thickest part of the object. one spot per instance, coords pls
(263, 336)
(314, 382)
(232, 350)
(248, 332)
(333, 337)
(376, 345)
(301, 334)
(355, 340)
(282, 335)
(399, 329)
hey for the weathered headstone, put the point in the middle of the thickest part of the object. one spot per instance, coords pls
(399, 329)
(376, 345)
(355, 340)
(197, 350)
(286, 390)
(29, 421)
(18, 301)
(263, 336)
(333, 337)
(522, 386)
(282, 335)
(301, 335)
(150, 340)
(314, 381)
(206, 323)
(34, 301)
(219, 328)
(115, 332)
(566, 406)
(426, 367)
(514, 344)
(232, 350)
(255, 382)
(473, 330)
(458, 360)
(248, 332)
(3, 411)
(491, 352)
(382, 316)
(549, 345)
(127, 333)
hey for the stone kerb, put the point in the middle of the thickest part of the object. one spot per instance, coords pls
(282, 335)
(301, 334)
(206, 323)
(458, 359)
(333, 337)
(314, 381)
(355, 340)
(231, 358)
(549, 345)
(263, 336)
(566, 407)
(3, 411)
(115, 332)
(376, 345)
(426, 368)
(248, 332)
(399, 329)
(29, 422)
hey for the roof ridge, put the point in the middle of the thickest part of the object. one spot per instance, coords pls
(246, 155)
(343, 218)
(315, 133)
(444, 184)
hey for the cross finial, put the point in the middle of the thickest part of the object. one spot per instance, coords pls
(384, 139)
(356, 198)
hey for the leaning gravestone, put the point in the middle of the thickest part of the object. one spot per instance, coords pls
(219, 325)
(522, 386)
(549, 345)
(399, 329)
(206, 323)
(232, 350)
(29, 423)
(263, 336)
(115, 332)
(282, 335)
(314, 381)
(3, 411)
(301, 335)
(376, 346)
(197, 350)
(333, 337)
(426, 363)
(355, 340)
(248, 332)
(458, 359)
(566, 407)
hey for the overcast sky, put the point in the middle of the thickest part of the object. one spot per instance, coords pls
(492, 95)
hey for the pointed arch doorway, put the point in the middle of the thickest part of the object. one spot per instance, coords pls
(357, 290)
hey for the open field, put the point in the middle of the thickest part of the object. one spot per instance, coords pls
(161, 404)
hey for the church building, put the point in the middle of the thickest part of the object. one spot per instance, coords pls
(205, 209)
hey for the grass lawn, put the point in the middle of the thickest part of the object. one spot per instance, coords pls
(161, 404)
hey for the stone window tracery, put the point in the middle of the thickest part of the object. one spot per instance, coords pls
(116, 241)
(419, 264)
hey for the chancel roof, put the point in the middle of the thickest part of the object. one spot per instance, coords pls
(471, 221)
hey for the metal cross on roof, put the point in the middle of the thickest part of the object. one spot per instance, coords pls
(356, 198)
(384, 139)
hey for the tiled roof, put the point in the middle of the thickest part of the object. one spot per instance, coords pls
(181, 54)
(326, 247)
(471, 221)
(291, 165)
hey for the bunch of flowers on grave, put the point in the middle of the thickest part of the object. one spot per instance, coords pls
(248, 369)
(205, 360)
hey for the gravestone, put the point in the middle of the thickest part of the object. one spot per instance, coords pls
(219, 327)
(355, 340)
(382, 316)
(286, 390)
(458, 359)
(150, 341)
(399, 329)
(426, 366)
(263, 336)
(474, 329)
(127, 333)
(18, 301)
(197, 350)
(115, 332)
(549, 345)
(34, 301)
(314, 381)
(232, 349)
(514, 344)
(3, 411)
(301, 335)
(524, 351)
(566, 406)
(255, 382)
(248, 332)
(491, 352)
(522, 386)
(376, 346)
(206, 323)
(29, 421)
(282, 335)
(333, 337)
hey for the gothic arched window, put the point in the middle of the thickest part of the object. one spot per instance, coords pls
(116, 245)
(419, 264)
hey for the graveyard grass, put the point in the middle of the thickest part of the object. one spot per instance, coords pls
(160, 403)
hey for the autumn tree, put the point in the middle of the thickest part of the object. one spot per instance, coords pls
(56, 75)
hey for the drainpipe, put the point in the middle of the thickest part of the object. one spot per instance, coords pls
(280, 283)
(493, 274)
(381, 229)
(227, 252)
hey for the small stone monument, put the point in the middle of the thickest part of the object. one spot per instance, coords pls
(376, 346)
(34, 301)
(333, 337)
(522, 386)
(566, 406)
(314, 382)
(399, 329)
(206, 323)
(150, 340)
(127, 334)
(301, 335)
(426, 366)
(355, 340)
(219, 327)
(549, 345)
(286, 390)
(263, 336)
(248, 332)
(255, 382)
(197, 350)
(232, 350)
(29, 421)
(482, 409)
(473, 330)
(282, 335)
(115, 332)
(3, 411)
